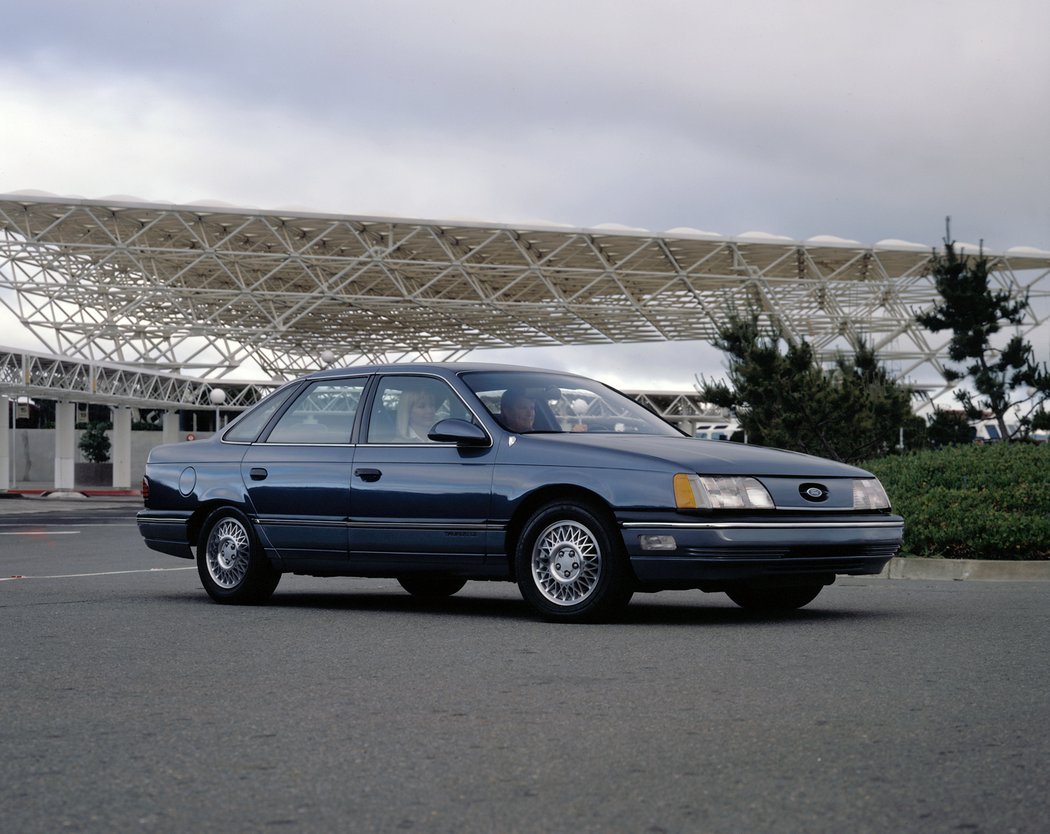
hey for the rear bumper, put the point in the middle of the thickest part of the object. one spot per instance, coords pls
(707, 553)
(166, 532)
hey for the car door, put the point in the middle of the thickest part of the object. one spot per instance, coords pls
(418, 504)
(298, 477)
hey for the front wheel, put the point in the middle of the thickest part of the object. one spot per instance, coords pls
(772, 598)
(231, 564)
(571, 566)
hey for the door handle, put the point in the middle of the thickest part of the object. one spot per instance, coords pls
(368, 474)
(257, 473)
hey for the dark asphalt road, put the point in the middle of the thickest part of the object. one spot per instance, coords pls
(132, 703)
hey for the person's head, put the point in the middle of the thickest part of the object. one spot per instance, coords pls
(517, 410)
(415, 411)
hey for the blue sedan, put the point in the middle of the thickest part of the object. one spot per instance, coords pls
(436, 474)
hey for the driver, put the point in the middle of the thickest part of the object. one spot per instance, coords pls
(517, 410)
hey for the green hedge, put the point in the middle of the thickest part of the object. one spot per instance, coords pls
(972, 502)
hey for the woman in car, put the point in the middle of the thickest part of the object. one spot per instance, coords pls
(415, 413)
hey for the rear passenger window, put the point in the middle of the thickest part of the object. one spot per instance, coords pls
(248, 426)
(323, 414)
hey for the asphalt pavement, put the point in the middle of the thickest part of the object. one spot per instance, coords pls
(133, 703)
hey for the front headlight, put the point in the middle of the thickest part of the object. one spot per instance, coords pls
(719, 492)
(868, 494)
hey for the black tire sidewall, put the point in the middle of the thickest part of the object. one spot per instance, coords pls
(613, 589)
(259, 580)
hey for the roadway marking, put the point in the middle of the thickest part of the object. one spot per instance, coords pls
(68, 524)
(43, 533)
(101, 573)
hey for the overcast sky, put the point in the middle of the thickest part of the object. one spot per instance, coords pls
(865, 120)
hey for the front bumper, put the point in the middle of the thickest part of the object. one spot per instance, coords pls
(166, 531)
(710, 552)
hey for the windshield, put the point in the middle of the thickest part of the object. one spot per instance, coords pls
(537, 401)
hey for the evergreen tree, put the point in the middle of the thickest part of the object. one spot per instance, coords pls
(1005, 379)
(785, 398)
(948, 428)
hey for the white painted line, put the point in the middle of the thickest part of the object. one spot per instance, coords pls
(103, 573)
(66, 524)
(43, 533)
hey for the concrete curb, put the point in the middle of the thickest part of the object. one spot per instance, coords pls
(912, 567)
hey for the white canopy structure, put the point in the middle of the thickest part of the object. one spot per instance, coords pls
(203, 289)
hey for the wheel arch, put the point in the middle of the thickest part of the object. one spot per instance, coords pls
(206, 509)
(547, 495)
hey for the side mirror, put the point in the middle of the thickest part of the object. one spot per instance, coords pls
(460, 432)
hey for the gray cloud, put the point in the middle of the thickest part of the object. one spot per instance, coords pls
(853, 118)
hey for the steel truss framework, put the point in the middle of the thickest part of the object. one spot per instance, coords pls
(25, 374)
(28, 374)
(204, 289)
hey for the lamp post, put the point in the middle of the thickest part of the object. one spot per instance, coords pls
(217, 397)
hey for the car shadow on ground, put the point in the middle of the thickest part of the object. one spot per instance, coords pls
(653, 612)
(708, 610)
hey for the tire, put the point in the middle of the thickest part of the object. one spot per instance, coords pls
(231, 564)
(431, 586)
(571, 566)
(772, 599)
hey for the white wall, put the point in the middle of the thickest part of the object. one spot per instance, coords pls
(33, 455)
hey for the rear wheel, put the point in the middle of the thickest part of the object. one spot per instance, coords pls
(431, 586)
(230, 562)
(571, 566)
(772, 598)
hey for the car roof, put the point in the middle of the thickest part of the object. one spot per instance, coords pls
(441, 368)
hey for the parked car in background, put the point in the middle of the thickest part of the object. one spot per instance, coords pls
(718, 430)
(436, 474)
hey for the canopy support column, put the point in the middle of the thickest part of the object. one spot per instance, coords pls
(170, 426)
(65, 444)
(5, 443)
(122, 448)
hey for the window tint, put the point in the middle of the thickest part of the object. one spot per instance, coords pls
(323, 413)
(405, 408)
(249, 424)
(536, 401)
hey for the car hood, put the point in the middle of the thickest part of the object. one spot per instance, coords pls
(708, 457)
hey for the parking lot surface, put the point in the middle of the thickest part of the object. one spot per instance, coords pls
(134, 703)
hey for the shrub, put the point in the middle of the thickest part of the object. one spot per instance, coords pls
(94, 443)
(972, 502)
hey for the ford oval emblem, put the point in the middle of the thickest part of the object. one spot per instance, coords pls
(814, 492)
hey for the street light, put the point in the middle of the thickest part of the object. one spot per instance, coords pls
(217, 397)
(327, 357)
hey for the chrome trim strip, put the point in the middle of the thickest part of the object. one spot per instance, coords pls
(422, 525)
(297, 522)
(161, 520)
(289, 443)
(377, 525)
(763, 525)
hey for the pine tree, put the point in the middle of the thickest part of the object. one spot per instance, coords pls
(785, 398)
(1004, 379)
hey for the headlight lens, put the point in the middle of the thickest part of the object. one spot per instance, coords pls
(868, 494)
(720, 492)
